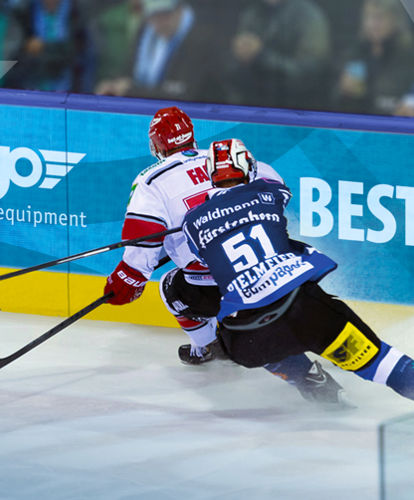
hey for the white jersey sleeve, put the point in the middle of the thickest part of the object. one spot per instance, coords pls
(266, 171)
(145, 215)
(161, 196)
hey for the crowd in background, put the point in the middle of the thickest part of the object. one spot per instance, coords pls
(354, 56)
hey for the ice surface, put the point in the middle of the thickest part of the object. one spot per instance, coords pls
(397, 458)
(106, 411)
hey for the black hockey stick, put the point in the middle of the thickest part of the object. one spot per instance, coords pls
(89, 253)
(65, 323)
(53, 331)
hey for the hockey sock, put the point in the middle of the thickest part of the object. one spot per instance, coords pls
(401, 378)
(201, 332)
(291, 369)
(393, 368)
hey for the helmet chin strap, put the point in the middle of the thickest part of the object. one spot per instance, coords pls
(252, 171)
(155, 152)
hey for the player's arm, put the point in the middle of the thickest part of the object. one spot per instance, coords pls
(192, 245)
(143, 217)
(266, 171)
(126, 284)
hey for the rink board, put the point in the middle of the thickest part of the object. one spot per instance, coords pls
(48, 292)
(68, 163)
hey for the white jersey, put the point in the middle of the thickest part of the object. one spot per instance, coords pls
(161, 196)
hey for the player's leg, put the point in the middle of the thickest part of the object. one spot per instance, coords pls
(392, 368)
(291, 369)
(353, 346)
(264, 337)
(195, 308)
(311, 380)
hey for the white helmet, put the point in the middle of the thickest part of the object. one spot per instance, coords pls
(228, 160)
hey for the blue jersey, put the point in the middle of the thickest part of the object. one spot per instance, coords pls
(241, 235)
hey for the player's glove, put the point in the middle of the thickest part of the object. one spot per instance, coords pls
(126, 283)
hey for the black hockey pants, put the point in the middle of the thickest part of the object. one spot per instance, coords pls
(315, 321)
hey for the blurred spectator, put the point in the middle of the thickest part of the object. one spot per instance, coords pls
(342, 18)
(280, 55)
(54, 56)
(13, 3)
(379, 70)
(220, 17)
(172, 56)
(405, 106)
(115, 27)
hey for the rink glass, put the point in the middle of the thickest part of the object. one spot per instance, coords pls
(396, 458)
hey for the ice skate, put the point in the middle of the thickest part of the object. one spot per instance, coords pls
(197, 356)
(319, 387)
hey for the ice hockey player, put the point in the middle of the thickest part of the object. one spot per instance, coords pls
(272, 305)
(161, 195)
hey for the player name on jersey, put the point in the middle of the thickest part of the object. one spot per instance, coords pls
(268, 276)
(241, 235)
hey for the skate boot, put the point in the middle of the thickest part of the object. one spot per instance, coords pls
(319, 387)
(191, 355)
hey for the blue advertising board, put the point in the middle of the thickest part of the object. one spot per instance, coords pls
(67, 166)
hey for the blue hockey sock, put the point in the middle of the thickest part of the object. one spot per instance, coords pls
(393, 368)
(292, 369)
(401, 378)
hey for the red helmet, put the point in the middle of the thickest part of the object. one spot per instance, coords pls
(170, 130)
(228, 160)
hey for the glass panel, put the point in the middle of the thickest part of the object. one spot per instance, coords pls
(353, 56)
(397, 458)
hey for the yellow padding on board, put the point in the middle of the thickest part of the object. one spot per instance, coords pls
(147, 310)
(35, 293)
(351, 350)
(60, 294)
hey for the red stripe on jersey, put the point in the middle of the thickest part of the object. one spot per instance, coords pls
(186, 323)
(136, 228)
(196, 266)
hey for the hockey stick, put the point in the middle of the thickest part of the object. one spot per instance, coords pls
(64, 324)
(53, 331)
(89, 253)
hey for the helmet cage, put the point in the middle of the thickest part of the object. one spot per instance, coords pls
(230, 160)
